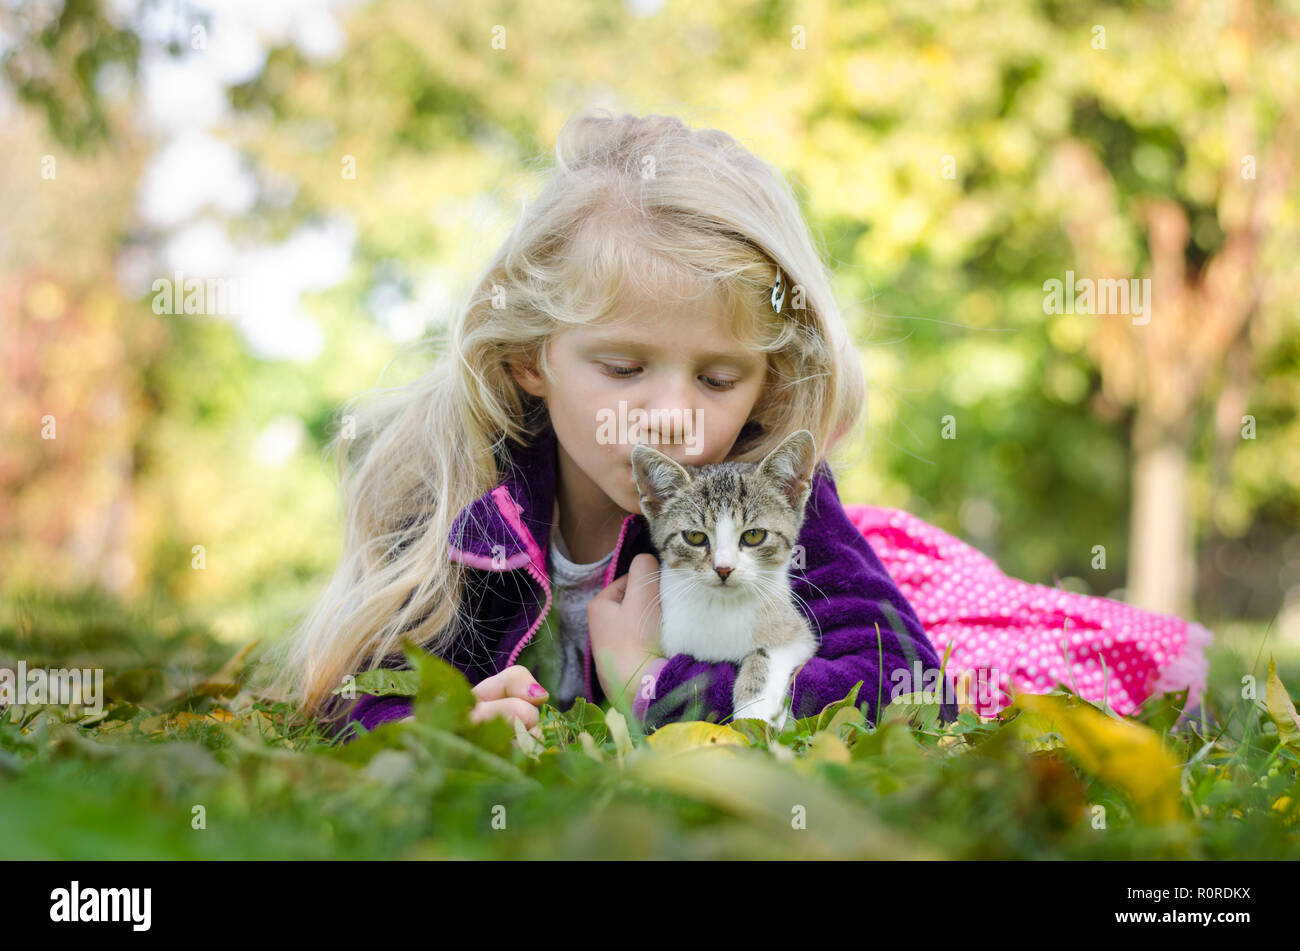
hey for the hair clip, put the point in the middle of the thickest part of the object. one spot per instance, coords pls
(778, 293)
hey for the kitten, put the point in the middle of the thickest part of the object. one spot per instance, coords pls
(724, 534)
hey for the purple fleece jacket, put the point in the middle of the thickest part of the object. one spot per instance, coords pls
(842, 589)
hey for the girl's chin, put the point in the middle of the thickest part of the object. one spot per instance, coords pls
(630, 501)
(631, 498)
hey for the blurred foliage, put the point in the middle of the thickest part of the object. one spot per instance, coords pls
(55, 57)
(160, 418)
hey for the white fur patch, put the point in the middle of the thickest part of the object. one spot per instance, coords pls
(782, 662)
(697, 622)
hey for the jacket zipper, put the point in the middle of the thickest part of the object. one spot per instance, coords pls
(532, 570)
(546, 609)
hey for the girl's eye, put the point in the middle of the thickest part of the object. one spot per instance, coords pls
(623, 373)
(754, 536)
(630, 370)
(695, 538)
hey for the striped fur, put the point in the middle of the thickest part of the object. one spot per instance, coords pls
(725, 534)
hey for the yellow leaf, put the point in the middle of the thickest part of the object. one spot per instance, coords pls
(617, 724)
(675, 737)
(845, 716)
(232, 668)
(525, 740)
(781, 753)
(1037, 731)
(589, 746)
(1286, 808)
(826, 748)
(1127, 755)
(965, 703)
(1280, 708)
(151, 724)
(162, 722)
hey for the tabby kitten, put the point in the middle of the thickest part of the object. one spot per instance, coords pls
(724, 534)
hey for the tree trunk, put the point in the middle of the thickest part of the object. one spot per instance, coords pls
(1162, 564)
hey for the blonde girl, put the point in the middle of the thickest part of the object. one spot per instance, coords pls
(490, 516)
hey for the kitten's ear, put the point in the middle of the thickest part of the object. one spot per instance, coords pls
(658, 478)
(790, 466)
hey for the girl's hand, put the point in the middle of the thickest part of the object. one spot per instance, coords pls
(512, 694)
(624, 621)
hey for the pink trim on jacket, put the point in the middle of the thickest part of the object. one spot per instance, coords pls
(609, 576)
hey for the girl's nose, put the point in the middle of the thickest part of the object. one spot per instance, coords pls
(670, 414)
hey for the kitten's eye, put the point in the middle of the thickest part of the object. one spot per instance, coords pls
(695, 538)
(754, 536)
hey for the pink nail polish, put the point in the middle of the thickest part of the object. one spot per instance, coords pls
(536, 690)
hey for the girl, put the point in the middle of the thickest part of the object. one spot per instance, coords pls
(491, 514)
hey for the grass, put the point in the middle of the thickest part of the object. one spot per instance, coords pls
(186, 761)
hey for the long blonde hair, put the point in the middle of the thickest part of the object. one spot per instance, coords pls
(632, 201)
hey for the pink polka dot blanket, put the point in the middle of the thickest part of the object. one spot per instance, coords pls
(1009, 636)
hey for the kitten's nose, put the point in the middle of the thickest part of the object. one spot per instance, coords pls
(723, 572)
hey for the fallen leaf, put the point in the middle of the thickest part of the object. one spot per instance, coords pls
(589, 746)
(676, 737)
(1280, 708)
(525, 740)
(617, 726)
(1126, 755)
(223, 683)
(826, 747)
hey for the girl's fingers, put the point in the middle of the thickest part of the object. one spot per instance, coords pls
(616, 590)
(643, 578)
(509, 709)
(643, 564)
(514, 681)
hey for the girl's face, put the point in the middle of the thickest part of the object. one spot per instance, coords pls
(667, 373)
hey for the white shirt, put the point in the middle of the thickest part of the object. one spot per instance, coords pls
(573, 585)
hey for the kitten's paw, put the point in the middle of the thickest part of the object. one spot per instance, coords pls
(771, 711)
(772, 714)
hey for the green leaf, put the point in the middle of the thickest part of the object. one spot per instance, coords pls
(444, 698)
(916, 709)
(493, 735)
(839, 726)
(1162, 712)
(757, 732)
(822, 720)
(384, 682)
(586, 716)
